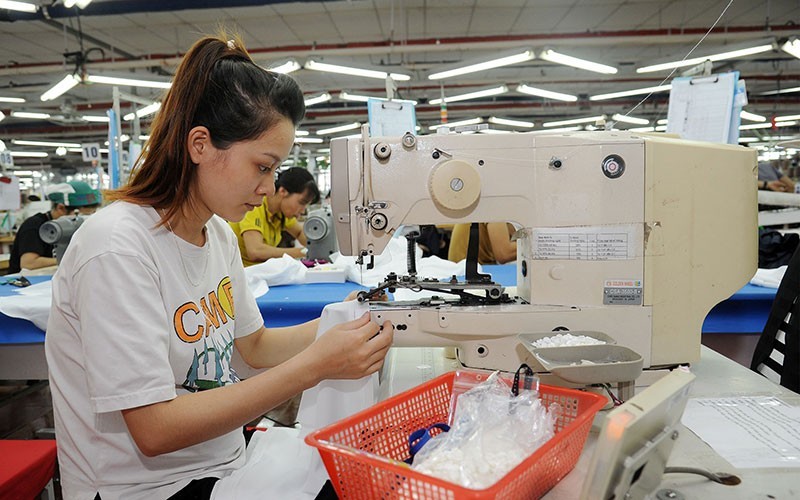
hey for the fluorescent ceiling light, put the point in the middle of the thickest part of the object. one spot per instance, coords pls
(95, 118)
(626, 93)
(786, 118)
(53, 144)
(556, 57)
(792, 47)
(763, 46)
(749, 139)
(617, 117)
(574, 121)
(746, 115)
(300, 133)
(285, 67)
(502, 89)
(347, 70)
(28, 114)
(323, 97)
(459, 123)
(753, 126)
(484, 65)
(11, 99)
(308, 140)
(661, 128)
(782, 91)
(147, 110)
(340, 128)
(663, 121)
(61, 87)
(129, 82)
(18, 6)
(510, 123)
(547, 94)
(29, 154)
(348, 96)
(642, 129)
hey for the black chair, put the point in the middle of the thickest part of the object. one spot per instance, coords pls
(777, 354)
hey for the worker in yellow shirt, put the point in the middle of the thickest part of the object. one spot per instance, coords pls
(259, 233)
(494, 243)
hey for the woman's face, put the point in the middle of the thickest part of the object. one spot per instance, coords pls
(294, 204)
(233, 181)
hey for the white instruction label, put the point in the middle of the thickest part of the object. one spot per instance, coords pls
(584, 243)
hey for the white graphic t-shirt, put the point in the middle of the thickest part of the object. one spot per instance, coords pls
(138, 317)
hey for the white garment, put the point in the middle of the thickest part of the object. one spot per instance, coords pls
(279, 463)
(769, 278)
(127, 328)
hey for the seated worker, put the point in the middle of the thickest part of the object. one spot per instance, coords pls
(772, 178)
(495, 245)
(259, 233)
(28, 250)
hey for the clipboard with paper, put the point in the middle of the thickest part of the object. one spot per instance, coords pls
(707, 108)
(391, 117)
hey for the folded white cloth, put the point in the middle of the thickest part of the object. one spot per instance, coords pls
(274, 272)
(30, 303)
(769, 278)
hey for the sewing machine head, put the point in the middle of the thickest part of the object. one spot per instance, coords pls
(58, 232)
(636, 236)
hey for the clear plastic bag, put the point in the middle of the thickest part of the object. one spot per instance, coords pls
(491, 432)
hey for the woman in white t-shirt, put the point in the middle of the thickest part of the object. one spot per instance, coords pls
(143, 319)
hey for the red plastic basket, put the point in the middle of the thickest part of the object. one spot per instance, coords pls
(364, 453)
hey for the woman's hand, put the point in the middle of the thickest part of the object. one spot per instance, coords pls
(351, 350)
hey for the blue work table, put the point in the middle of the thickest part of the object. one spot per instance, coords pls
(745, 312)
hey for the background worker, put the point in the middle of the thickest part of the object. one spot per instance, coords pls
(772, 178)
(494, 247)
(28, 250)
(260, 232)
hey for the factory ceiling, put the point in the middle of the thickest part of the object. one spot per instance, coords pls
(145, 39)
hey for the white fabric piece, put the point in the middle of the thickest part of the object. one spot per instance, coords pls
(769, 278)
(274, 272)
(31, 303)
(276, 461)
(393, 259)
(280, 464)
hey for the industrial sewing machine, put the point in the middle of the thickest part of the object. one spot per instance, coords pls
(635, 236)
(318, 228)
(58, 232)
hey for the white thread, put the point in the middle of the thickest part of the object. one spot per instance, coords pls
(180, 256)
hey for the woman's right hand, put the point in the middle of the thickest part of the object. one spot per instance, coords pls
(351, 350)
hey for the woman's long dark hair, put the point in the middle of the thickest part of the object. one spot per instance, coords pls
(218, 86)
